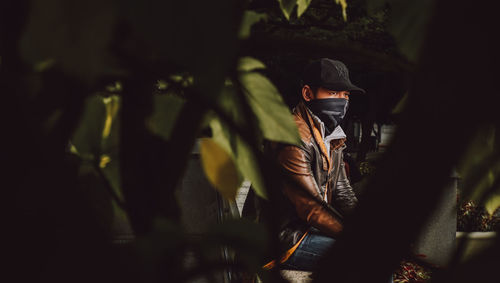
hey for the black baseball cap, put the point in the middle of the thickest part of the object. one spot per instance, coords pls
(330, 74)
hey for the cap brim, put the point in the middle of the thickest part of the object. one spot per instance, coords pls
(345, 86)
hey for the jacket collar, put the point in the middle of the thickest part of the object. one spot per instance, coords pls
(337, 139)
(304, 113)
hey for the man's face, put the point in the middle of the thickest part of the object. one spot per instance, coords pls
(323, 93)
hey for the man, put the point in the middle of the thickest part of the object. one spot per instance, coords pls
(316, 190)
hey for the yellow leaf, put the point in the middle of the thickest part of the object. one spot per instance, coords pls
(105, 159)
(112, 103)
(219, 168)
(343, 4)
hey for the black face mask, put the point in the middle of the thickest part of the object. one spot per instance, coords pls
(330, 111)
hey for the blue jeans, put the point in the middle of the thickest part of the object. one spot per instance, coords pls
(310, 251)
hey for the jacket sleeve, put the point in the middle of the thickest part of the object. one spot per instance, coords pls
(344, 197)
(301, 189)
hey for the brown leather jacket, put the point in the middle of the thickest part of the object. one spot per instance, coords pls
(316, 192)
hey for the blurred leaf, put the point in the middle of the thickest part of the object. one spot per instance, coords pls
(249, 19)
(408, 22)
(247, 64)
(493, 203)
(219, 168)
(166, 109)
(44, 65)
(116, 87)
(241, 153)
(166, 238)
(479, 149)
(343, 4)
(249, 239)
(274, 118)
(94, 191)
(398, 109)
(161, 85)
(112, 174)
(479, 166)
(198, 36)
(87, 137)
(74, 35)
(287, 7)
(302, 6)
(52, 120)
(105, 159)
(112, 104)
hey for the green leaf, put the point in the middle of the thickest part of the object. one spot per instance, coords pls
(241, 153)
(247, 64)
(88, 137)
(74, 35)
(219, 168)
(274, 118)
(249, 19)
(302, 6)
(166, 109)
(287, 7)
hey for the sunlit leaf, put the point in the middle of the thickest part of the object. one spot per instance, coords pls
(166, 109)
(247, 64)
(302, 6)
(249, 19)
(287, 7)
(112, 104)
(343, 4)
(219, 168)
(274, 117)
(493, 203)
(241, 153)
(233, 143)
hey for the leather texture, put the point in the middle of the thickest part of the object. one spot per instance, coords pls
(316, 182)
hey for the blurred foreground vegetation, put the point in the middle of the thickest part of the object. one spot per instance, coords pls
(103, 102)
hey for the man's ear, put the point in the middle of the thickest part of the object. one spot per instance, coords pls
(307, 93)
